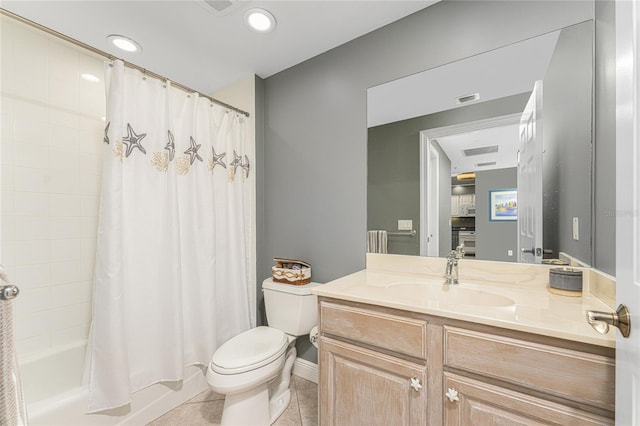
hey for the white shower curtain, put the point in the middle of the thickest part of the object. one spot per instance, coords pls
(171, 273)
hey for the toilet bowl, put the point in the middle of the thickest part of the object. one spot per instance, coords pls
(248, 359)
(253, 369)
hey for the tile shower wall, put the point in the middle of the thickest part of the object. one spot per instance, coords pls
(50, 163)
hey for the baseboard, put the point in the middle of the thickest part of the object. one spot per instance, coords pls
(169, 396)
(306, 369)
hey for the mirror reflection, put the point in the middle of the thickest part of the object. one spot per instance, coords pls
(493, 152)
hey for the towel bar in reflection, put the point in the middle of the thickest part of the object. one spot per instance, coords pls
(411, 233)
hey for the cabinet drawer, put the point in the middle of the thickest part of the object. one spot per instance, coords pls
(578, 376)
(387, 331)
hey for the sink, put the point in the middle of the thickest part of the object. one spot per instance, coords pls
(451, 295)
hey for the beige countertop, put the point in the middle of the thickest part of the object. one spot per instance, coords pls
(512, 296)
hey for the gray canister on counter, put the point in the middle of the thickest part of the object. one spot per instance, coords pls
(565, 279)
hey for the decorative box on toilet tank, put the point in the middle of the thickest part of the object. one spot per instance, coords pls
(291, 271)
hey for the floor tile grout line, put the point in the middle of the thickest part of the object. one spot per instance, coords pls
(299, 408)
(200, 402)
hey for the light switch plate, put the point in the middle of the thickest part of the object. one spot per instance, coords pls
(576, 229)
(405, 224)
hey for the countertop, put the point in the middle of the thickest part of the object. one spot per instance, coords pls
(510, 296)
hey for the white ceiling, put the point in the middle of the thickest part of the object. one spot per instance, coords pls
(506, 137)
(189, 42)
(506, 71)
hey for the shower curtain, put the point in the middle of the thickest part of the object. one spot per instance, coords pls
(171, 272)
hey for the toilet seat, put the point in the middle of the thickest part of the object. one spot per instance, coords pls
(249, 350)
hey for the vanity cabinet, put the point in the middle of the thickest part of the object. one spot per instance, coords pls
(372, 367)
(386, 366)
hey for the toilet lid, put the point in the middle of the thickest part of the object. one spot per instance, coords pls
(249, 350)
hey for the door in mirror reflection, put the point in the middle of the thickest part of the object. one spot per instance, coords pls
(530, 212)
(432, 219)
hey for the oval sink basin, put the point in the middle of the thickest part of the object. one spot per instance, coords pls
(452, 294)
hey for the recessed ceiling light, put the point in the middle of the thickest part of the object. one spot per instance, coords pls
(90, 77)
(124, 43)
(260, 20)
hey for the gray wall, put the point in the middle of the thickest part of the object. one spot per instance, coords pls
(604, 220)
(261, 316)
(315, 164)
(567, 160)
(393, 187)
(494, 239)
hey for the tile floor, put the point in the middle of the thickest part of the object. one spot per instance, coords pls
(206, 408)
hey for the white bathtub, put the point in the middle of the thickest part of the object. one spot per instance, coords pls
(53, 390)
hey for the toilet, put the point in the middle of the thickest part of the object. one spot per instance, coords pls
(253, 369)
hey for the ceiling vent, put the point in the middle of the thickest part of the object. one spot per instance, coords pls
(480, 151)
(487, 164)
(467, 98)
(219, 7)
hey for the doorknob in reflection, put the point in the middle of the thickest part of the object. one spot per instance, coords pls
(534, 251)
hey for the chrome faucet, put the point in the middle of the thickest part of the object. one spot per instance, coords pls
(451, 271)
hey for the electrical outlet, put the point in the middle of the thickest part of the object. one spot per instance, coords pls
(576, 229)
(405, 225)
(509, 252)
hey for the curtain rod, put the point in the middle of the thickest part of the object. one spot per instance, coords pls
(112, 58)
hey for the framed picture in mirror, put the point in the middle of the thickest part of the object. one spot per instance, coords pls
(503, 205)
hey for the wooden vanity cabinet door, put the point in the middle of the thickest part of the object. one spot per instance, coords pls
(480, 403)
(364, 387)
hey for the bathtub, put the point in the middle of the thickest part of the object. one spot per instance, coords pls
(53, 391)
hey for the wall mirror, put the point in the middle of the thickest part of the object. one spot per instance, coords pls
(488, 151)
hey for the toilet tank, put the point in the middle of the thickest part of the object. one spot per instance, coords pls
(290, 308)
